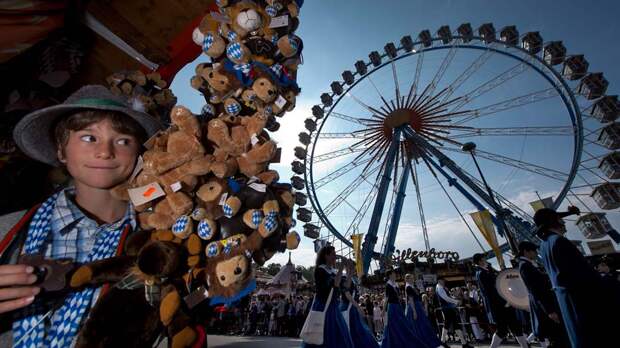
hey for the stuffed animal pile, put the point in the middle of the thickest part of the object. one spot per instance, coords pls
(208, 205)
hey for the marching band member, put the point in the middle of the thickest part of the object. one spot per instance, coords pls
(544, 311)
(360, 333)
(499, 312)
(327, 279)
(397, 333)
(585, 302)
(416, 316)
(450, 314)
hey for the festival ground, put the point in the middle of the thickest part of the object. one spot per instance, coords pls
(286, 342)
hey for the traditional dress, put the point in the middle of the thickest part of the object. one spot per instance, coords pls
(421, 325)
(360, 333)
(542, 303)
(587, 306)
(398, 333)
(450, 314)
(335, 332)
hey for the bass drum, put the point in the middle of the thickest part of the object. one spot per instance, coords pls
(511, 287)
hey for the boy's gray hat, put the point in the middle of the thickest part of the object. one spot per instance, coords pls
(34, 134)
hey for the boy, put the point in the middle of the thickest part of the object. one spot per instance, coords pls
(97, 137)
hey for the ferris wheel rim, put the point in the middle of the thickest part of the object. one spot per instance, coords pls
(550, 74)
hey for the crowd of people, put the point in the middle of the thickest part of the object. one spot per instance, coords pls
(406, 314)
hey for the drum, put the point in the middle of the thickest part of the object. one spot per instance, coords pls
(511, 287)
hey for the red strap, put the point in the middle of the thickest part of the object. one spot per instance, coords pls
(119, 251)
(10, 236)
(201, 340)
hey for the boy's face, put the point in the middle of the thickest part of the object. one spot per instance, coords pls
(98, 156)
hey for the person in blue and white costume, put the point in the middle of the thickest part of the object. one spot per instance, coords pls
(397, 333)
(450, 314)
(352, 312)
(416, 316)
(327, 279)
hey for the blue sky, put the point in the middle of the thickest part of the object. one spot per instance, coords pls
(338, 33)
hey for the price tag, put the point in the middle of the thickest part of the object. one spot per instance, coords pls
(223, 198)
(254, 139)
(144, 194)
(176, 186)
(258, 187)
(280, 102)
(277, 22)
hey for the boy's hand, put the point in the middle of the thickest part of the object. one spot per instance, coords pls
(12, 295)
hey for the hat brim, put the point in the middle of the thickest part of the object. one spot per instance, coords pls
(33, 133)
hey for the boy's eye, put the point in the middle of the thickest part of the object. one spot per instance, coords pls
(123, 141)
(88, 138)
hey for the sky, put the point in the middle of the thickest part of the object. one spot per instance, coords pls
(338, 33)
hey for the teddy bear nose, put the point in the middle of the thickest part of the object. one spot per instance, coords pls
(237, 270)
(270, 92)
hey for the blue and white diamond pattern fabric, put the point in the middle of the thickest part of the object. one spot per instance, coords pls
(179, 228)
(274, 39)
(293, 42)
(233, 51)
(65, 322)
(227, 247)
(233, 109)
(204, 229)
(277, 69)
(244, 68)
(232, 36)
(207, 42)
(271, 223)
(268, 111)
(271, 11)
(208, 109)
(257, 217)
(213, 249)
(228, 210)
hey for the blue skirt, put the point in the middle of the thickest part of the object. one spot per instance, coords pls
(422, 326)
(360, 333)
(398, 333)
(335, 333)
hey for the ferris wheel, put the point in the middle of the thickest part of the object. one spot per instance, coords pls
(391, 151)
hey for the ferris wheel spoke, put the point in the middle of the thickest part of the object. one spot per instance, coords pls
(344, 117)
(467, 73)
(396, 86)
(357, 147)
(492, 84)
(467, 132)
(509, 104)
(385, 102)
(364, 105)
(445, 63)
(334, 203)
(416, 183)
(513, 162)
(361, 213)
(339, 172)
(416, 79)
(338, 135)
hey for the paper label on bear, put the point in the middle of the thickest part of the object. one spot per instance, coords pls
(223, 198)
(144, 194)
(218, 17)
(254, 139)
(280, 102)
(277, 22)
(176, 186)
(137, 169)
(258, 187)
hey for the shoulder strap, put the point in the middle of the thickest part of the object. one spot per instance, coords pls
(16, 236)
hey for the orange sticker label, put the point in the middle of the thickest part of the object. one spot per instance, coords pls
(149, 192)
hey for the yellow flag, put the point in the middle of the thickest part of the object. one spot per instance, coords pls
(543, 203)
(485, 224)
(357, 252)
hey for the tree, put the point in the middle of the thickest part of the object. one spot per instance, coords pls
(307, 273)
(273, 268)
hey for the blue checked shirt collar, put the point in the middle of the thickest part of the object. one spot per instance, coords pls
(66, 215)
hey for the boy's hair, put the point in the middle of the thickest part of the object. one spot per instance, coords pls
(121, 123)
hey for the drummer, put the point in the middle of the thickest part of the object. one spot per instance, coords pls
(544, 311)
(499, 312)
